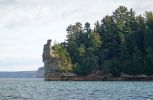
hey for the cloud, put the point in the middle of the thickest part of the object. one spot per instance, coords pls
(7, 2)
(17, 63)
(17, 13)
(26, 17)
(33, 67)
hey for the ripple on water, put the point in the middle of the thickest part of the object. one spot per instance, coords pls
(11, 89)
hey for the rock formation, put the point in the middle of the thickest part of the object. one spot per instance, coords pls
(51, 68)
(40, 72)
(50, 62)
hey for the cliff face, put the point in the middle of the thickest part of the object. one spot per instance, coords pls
(40, 72)
(50, 62)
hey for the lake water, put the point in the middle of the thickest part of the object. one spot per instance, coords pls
(37, 89)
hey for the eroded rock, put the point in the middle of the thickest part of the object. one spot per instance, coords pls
(50, 62)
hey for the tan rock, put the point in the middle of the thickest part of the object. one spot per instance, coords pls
(50, 62)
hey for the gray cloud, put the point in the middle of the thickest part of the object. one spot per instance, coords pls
(7, 2)
(7, 62)
(42, 12)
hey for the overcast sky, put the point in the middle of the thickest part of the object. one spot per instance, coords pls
(25, 25)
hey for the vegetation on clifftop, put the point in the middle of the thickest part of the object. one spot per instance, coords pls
(121, 42)
(64, 58)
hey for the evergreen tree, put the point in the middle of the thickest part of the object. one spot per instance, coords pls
(121, 42)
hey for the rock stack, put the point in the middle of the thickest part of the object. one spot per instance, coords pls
(50, 62)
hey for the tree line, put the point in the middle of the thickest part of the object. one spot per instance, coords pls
(119, 43)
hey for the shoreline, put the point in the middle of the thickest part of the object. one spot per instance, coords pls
(98, 78)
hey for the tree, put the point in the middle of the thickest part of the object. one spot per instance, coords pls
(149, 61)
(121, 42)
(64, 58)
(94, 40)
(149, 19)
(87, 27)
(97, 27)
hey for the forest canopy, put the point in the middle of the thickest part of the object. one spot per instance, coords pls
(119, 43)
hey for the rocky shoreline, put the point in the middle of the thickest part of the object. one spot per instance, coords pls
(52, 72)
(99, 78)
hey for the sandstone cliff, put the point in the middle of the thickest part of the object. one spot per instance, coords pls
(50, 62)
(40, 72)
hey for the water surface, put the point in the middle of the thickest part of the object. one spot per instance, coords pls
(37, 89)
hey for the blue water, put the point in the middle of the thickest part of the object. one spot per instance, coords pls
(37, 89)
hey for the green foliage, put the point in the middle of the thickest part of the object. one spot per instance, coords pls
(64, 58)
(121, 42)
(148, 62)
(115, 69)
(149, 19)
(94, 40)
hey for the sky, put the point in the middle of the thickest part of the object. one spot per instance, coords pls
(25, 25)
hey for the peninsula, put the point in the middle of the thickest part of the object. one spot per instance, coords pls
(120, 47)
